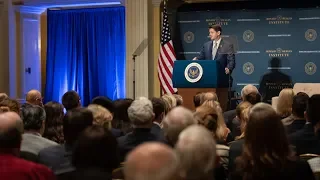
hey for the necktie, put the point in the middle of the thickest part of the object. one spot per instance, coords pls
(214, 50)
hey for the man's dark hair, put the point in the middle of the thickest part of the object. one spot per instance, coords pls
(74, 122)
(10, 139)
(313, 109)
(158, 107)
(33, 117)
(197, 99)
(96, 147)
(299, 105)
(104, 102)
(216, 27)
(70, 100)
(253, 98)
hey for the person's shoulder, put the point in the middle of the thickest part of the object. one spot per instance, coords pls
(31, 167)
(207, 43)
(52, 150)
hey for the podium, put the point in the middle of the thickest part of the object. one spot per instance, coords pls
(194, 76)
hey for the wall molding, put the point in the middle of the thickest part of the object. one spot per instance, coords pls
(30, 9)
(156, 3)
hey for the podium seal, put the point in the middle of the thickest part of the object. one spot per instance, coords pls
(193, 72)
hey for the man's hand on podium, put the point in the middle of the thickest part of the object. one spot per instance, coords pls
(195, 58)
(227, 70)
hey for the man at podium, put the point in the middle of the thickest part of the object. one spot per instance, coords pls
(218, 49)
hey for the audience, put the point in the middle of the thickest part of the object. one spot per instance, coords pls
(34, 97)
(58, 158)
(34, 118)
(10, 105)
(159, 111)
(266, 154)
(208, 96)
(101, 116)
(196, 151)
(307, 140)
(71, 100)
(175, 122)
(104, 102)
(197, 99)
(3, 96)
(296, 120)
(11, 166)
(141, 116)
(120, 116)
(54, 116)
(152, 161)
(170, 102)
(179, 99)
(285, 101)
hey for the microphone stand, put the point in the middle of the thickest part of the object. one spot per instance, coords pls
(134, 75)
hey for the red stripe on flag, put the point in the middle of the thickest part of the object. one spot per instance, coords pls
(167, 55)
(166, 83)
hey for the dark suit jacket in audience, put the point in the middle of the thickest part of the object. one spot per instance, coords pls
(229, 116)
(131, 140)
(86, 174)
(234, 152)
(116, 132)
(295, 126)
(57, 158)
(236, 127)
(305, 140)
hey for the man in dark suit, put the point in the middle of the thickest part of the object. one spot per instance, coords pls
(218, 49)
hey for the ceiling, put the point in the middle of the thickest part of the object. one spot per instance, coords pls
(67, 3)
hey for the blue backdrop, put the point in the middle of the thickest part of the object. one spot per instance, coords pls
(286, 36)
(86, 53)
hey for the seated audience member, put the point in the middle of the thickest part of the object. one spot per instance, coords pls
(160, 162)
(211, 118)
(33, 97)
(296, 120)
(3, 96)
(307, 140)
(12, 167)
(54, 116)
(197, 99)
(197, 153)
(10, 105)
(120, 116)
(230, 115)
(58, 158)
(104, 102)
(170, 101)
(179, 99)
(94, 156)
(241, 119)
(285, 100)
(141, 116)
(208, 96)
(267, 154)
(175, 122)
(236, 146)
(158, 110)
(71, 100)
(34, 118)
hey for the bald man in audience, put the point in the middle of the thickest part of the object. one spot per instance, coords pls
(196, 151)
(175, 122)
(34, 97)
(152, 161)
(11, 166)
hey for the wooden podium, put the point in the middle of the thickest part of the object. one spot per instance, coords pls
(192, 77)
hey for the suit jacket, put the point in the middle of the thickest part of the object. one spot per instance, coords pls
(235, 151)
(295, 126)
(91, 173)
(225, 54)
(35, 143)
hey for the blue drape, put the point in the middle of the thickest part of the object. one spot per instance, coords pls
(86, 53)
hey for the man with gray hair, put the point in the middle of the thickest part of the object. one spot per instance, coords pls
(152, 161)
(34, 118)
(175, 122)
(141, 116)
(196, 151)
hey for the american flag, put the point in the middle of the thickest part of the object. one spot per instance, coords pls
(166, 57)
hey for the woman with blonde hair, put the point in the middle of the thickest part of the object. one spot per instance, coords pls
(101, 116)
(170, 102)
(242, 112)
(285, 100)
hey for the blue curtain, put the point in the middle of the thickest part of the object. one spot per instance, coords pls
(86, 53)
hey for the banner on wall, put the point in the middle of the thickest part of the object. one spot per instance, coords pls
(275, 48)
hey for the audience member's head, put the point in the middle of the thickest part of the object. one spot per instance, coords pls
(196, 151)
(179, 99)
(197, 99)
(253, 98)
(120, 115)
(104, 102)
(96, 148)
(74, 122)
(10, 105)
(299, 105)
(208, 96)
(141, 113)
(312, 112)
(71, 100)
(3, 96)
(284, 106)
(247, 90)
(211, 118)
(175, 122)
(34, 97)
(101, 116)
(152, 161)
(34, 118)
(266, 143)
(242, 112)
(11, 129)
(54, 117)
(158, 109)
(170, 101)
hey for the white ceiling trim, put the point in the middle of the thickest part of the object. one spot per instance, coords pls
(70, 3)
(30, 9)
